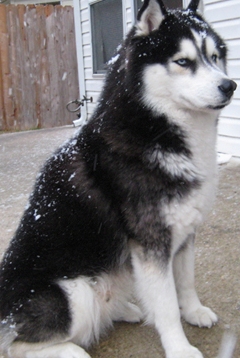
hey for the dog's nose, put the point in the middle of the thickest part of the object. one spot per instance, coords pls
(228, 87)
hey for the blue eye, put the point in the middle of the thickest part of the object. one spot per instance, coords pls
(183, 62)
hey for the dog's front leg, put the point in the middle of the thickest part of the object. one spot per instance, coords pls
(155, 288)
(191, 308)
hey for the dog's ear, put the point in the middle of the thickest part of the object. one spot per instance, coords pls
(193, 5)
(150, 17)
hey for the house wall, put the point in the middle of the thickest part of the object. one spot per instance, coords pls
(225, 17)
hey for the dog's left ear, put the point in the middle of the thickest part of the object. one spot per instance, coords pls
(193, 5)
(150, 17)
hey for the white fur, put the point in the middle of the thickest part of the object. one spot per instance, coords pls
(193, 209)
(210, 46)
(173, 164)
(59, 350)
(186, 214)
(169, 94)
(96, 303)
(155, 288)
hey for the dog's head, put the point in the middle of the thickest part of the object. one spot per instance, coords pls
(178, 60)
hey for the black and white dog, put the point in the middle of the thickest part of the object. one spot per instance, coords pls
(114, 211)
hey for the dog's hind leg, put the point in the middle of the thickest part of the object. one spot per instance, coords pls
(71, 314)
(55, 320)
(191, 308)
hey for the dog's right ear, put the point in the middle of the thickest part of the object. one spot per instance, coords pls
(150, 17)
(193, 5)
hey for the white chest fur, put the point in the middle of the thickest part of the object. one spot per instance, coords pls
(185, 214)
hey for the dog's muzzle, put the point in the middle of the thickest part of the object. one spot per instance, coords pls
(227, 88)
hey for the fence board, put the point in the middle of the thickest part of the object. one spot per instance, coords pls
(38, 66)
(6, 105)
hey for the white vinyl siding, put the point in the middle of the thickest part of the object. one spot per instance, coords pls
(225, 18)
(130, 19)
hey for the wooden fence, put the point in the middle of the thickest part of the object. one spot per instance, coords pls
(38, 66)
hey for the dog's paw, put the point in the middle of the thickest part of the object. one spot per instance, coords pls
(202, 317)
(188, 352)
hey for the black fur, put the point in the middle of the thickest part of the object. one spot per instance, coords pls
(193, 5)
(97, 192)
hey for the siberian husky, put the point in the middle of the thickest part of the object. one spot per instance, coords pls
(114, 211)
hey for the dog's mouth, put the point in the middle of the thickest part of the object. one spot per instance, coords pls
(218, 107)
